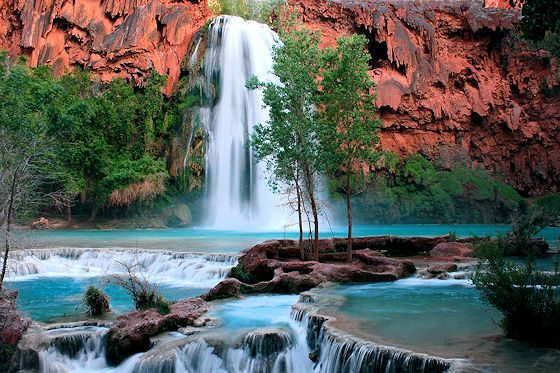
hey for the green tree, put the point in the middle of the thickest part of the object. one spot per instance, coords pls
(289, 138)
(348, 116)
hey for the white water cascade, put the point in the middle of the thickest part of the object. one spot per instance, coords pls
(165, 267)
(237, 193)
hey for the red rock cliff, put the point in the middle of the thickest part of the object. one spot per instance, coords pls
(449, 73)
(113, 38)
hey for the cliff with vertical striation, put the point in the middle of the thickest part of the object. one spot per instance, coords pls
(113, 38)
(452, 78)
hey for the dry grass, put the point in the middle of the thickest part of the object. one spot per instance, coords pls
(140, 191)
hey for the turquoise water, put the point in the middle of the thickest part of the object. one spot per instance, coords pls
(440, 317)
(206, 240)
(47, 299)
(255, 311)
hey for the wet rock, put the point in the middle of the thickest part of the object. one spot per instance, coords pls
(12, 328)
(131, 332)
(228, 288)
(436, 269)
(274, 267)
(13, 324)
(452, 250)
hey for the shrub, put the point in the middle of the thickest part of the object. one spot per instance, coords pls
(528, 299)
(136, 283)
(523, 229)
(96, 301)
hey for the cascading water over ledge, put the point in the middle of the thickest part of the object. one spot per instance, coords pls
(168, 267)
(237, 194)
(338, 352)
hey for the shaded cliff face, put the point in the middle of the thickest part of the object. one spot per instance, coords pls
(113, 38)
(451, 78)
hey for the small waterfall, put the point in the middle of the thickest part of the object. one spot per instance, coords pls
(237, 193)
(338, 352)
(75, 348)
(166, 267)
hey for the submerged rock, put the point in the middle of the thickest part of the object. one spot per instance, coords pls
(436, 269)
(131, 332)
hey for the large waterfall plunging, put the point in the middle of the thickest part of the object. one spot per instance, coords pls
(236, 187)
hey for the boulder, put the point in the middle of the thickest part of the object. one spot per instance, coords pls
(452, 250)
(436, 269)
(12, 329)
(227, 288)
(13, 324)
(274, 267)
(131, 333)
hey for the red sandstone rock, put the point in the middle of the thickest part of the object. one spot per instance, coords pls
(274, 267)
(113, 38)
(12, 325)
(131, 333)
(451, 250)
(227, 288)
(451, 82)
(436, 269)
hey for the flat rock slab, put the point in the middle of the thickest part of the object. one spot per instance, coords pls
(274, 266)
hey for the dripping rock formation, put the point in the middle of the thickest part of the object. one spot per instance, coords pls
(455, 82)
(112, 38)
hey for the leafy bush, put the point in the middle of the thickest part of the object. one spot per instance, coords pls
(96, 301)
(414, 190)
(144, 292)
(258, 10)
(529, 300)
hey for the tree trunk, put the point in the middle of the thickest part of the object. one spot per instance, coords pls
(310, 192)
(93, 212)
(69, 214)
(349, 211)
(300, 222)
(8, 229)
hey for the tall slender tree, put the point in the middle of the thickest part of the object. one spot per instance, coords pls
(349, 122)
(289, 139)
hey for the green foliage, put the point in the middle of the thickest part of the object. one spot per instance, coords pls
(102, 137)
(96, 301)
(539, 17)
(540, 23)
(413, 190)
(7, 354)
(288, 141)
(347, 112)
(549, 205)
(258, 10)
(523, 229)
(528, 299)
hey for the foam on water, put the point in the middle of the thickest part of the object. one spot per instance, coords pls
(169, 268)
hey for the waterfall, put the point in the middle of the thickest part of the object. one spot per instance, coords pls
(167, 267)
(337, 352)
(237, 194)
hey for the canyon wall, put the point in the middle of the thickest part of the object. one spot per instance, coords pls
(452, 79)
(113, 38)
